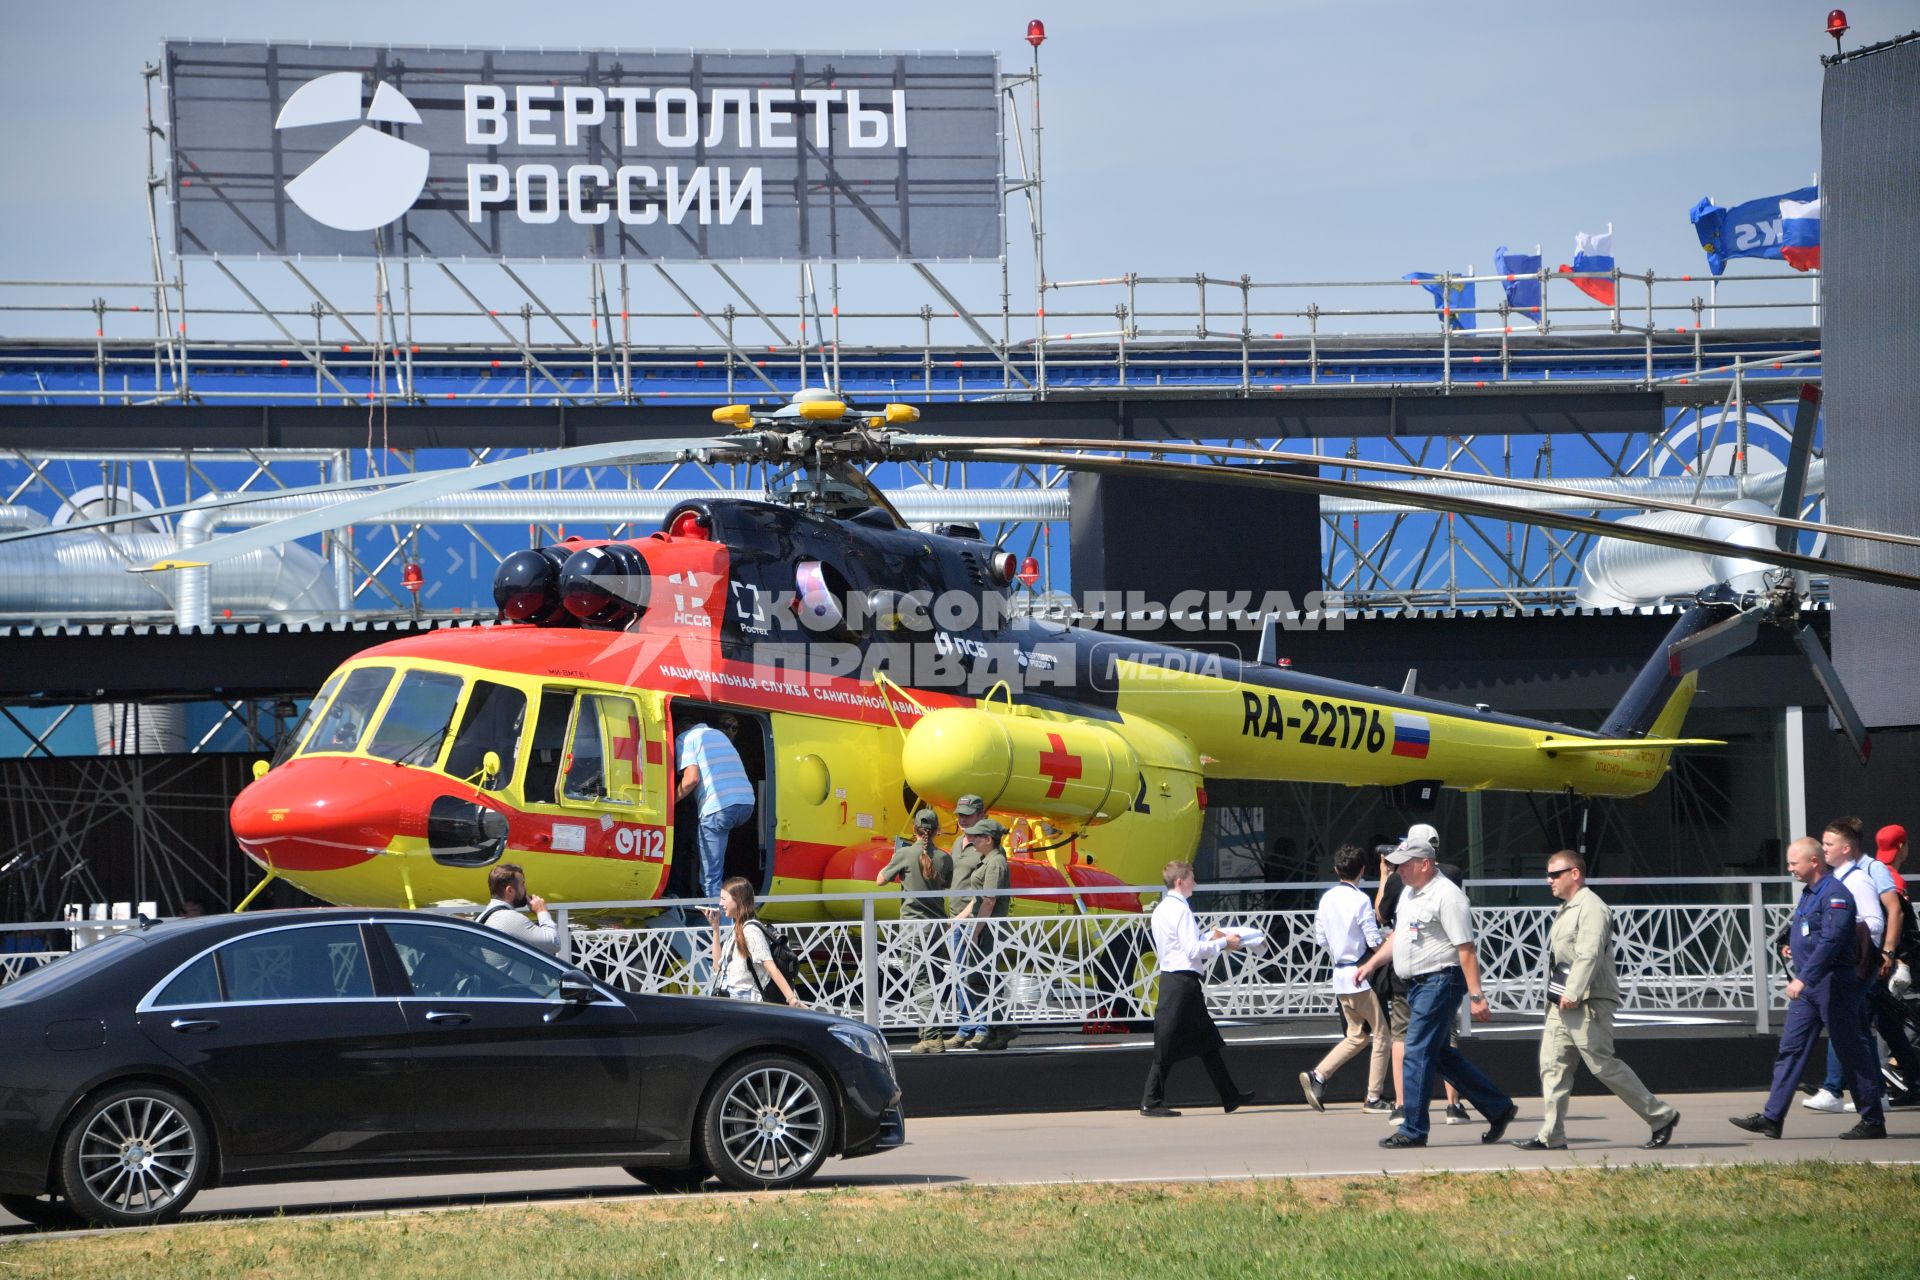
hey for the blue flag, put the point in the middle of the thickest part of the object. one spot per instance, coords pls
(1522, 281)
(1459, 309)
(1751, 230)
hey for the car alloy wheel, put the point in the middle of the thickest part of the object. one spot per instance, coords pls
(133, 1156)
(766, 1124)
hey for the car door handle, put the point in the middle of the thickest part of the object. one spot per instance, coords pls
(448, 1017)
(193, 1024)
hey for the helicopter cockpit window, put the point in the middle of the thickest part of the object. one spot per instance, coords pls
(417, 720)
(345, 721)
(310, 718)
(492, 722)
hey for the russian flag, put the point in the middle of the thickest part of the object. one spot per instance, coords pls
(1800, 242)
(1594, 253)
(1411, 735)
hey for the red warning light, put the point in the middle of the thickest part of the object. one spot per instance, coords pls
(412, 578)
(1837, 23)
(1037, 30)
(1029, 571)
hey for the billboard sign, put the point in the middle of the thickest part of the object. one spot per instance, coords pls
(283, 150)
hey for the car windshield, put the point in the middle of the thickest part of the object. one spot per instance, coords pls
(417, 719)
(59, 974)
(345, 721)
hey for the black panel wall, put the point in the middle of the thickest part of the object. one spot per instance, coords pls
(1870, 207)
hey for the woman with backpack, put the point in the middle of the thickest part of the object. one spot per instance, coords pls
(743, 955)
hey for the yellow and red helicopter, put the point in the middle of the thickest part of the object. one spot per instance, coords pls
(829, 630)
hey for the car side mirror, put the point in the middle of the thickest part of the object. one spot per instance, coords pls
(577, 988)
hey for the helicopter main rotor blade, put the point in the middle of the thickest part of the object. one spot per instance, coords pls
(983, 446)
(1466, 506)
(1799, 452)
(204, 504)
(1829, 680)
(373, 506)
(1710, 644)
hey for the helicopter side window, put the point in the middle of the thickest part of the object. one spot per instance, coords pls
(340, 729)
(585, 768)
(311, 717)
(494, 715)
(549, 745)
(417, 720)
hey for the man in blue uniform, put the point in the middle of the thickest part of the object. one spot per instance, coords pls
(1825, 990)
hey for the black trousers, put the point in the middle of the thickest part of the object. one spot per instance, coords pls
(1182, 1028)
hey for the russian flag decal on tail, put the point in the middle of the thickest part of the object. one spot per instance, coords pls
(1411, 737)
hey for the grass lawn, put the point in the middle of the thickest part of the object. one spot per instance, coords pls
(1811, 1219)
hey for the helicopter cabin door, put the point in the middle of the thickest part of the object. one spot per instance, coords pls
(599, 768)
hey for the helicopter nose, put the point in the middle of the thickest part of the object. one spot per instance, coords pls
(322, 814)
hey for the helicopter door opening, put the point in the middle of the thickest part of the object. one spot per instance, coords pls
(598, 755)
(748, 847)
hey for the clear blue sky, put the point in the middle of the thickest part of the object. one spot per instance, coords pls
(1342, 139)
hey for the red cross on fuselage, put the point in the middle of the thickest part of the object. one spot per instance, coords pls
(628, 748)
(1059, 766)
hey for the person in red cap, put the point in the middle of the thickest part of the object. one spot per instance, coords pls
(1890, 847)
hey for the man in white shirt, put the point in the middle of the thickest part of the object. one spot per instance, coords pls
(1432, 952)
(1182, 1027)
(1346, 930)
(508, 885)
(1842, 846)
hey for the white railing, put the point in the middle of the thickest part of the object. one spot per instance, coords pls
(1070, 968)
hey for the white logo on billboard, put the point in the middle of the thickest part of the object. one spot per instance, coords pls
(369, 178)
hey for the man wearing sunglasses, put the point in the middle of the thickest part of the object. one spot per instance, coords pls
(1582, 997)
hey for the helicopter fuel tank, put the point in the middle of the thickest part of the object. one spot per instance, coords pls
(1069, 770)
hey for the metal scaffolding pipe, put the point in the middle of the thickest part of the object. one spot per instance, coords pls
(87, 573)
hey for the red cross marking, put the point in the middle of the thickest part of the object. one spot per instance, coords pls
(628, 748)
(1059, 766)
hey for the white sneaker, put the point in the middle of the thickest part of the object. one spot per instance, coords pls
(1850, 1106)
(1824, 1101)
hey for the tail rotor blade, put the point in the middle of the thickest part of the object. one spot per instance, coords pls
(1843, 709)
(1721, 640)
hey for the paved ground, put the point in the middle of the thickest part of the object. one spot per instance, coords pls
(1261, 1141)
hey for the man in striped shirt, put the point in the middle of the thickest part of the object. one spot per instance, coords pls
(709, 764)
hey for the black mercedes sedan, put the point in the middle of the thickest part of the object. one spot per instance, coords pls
(301, 1044)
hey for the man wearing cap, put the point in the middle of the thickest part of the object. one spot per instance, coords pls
(1432, 951)
(1890, 851)
(967, 810)
(974, 955)
(1580, 1016)
(1182, 1027)
(1392, 994)
(922, 866)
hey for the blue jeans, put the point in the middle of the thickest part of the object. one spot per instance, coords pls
(1432, 1002)
(713, 833)
(1872, 1018)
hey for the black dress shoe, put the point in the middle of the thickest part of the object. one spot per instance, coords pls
(1397, 1140)
(1240, 1099)
(1534, 1144)
(1757, 1123)
(1498, 1129)
(1662, 1135)
(1864, 1130)
(1158, 1113)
